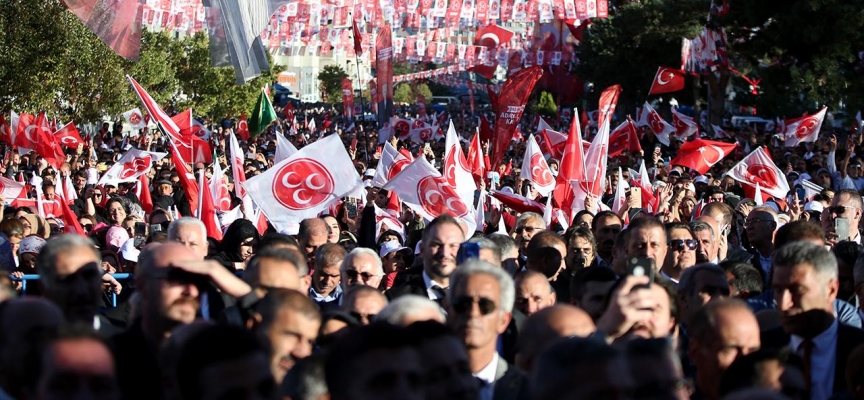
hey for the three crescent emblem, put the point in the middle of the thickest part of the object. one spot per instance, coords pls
(655, 121)
(437, 197)
(806, 128)
(539, 171)
(302, 184)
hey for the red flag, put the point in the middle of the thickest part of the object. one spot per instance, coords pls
(700, 155)
(70, 220)
(475, 158)
(206, 209)
(608, 102)
(243, 127)
(758, 167)
(509, 106)
(68, 136)
(358, 40)
(572, 167)
(667, 80)
(145, 198)
(490, 37)
(47, 146)
(518, 203)
(623, 138)
(190, 187)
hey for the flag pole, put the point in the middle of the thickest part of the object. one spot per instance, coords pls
(362, 118)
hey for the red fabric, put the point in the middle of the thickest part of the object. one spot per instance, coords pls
(667, 80)
(509, 106)
(145, 197)
(701, 155)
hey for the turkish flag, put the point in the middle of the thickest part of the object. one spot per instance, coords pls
(70, 220)
(623, 138)
(572, 166)
(475, 158)
(518, 203)
(700, 155)
(667, 80)
(47, 145)
(491, 37)
(758, 167)
(10, 189)
(68, 136)
(145, 197)
(509, 107)
(243, 127)
(206, 209)
(25, 137)
(608, 102)
(358, 39)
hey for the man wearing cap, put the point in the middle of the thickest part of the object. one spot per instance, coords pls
(164, 191)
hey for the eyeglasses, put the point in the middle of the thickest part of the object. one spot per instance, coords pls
(838, 210)
(529, 229)
(678, 244)
(464, 304)
(364, 276)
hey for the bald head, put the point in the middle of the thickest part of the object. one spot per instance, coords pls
(546, 326)
(313, 233)
(533, 292)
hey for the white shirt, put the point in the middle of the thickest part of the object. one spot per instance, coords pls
(822, 361)
(429, 282)
(487, 374)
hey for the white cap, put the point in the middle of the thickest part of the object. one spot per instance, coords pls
(701, 179)
(814, 206)
(369, 172)
(390, 246)
(129, 252)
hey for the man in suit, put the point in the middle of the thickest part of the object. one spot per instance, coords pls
(441, 241)
(805, 286)
(481, 305)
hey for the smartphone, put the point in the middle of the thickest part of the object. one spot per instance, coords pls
(841, 228)
(141, 229)
(467, 251)
(635, 197)
(641, 266)
(352, 209)
(155, 228)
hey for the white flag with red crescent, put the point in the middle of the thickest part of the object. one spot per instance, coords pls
(304, 184)
(132, 165)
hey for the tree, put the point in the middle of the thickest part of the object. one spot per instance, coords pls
(407, 93)
(547, 106)
(331, 77)
(805, 52)
(627, 47)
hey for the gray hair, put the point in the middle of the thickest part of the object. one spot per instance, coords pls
(686, 284)
(795, 253)
(473, 267)
(185, 221)
(406, 306)
(699, 226)
(505, 243)
(46, 261)
(349, 259)
(486, 243)
(526, 216)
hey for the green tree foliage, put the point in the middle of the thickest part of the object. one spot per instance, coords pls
(805, 52)
(628, 47)
(547, 106)
(331, 77)
(407, 93)
(51, 62)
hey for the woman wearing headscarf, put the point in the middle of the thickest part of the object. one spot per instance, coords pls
(237, 244)
(35, 225)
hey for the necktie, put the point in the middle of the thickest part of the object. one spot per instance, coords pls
(440, 293)
(807, 354)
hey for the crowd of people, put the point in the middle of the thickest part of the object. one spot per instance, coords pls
(710, 295)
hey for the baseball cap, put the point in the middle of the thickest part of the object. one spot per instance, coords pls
(390, 246)
(814, 206)
(129, 252)
(701, 179)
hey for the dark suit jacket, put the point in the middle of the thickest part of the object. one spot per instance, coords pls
(409, 281)
(511, 383)
(848, 338)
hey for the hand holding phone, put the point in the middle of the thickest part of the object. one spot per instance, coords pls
(841, 228)
(641, 266)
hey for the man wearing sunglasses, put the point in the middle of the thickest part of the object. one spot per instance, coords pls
(846, 204)
(682, 251)
(481, 305)
(528, 224)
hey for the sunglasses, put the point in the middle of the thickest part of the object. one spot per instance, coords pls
(678, 244)
(464, 304)
(839, 210)
(87, 227)
(365, 276)
(529, 229)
